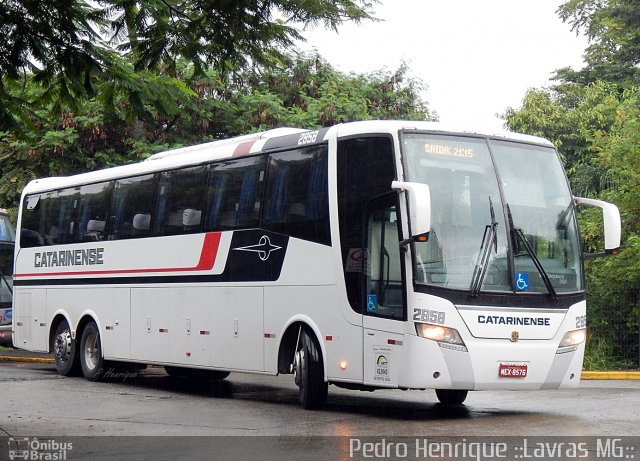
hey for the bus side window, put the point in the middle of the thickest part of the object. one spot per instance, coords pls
(132, 207)
(296, 200)
(32, 222)
(61, 217)
(94, 209)
(234, 191)
(180, 200)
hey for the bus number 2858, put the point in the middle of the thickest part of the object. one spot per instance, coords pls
(426, 315)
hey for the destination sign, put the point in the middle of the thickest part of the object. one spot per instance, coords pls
(448, 151)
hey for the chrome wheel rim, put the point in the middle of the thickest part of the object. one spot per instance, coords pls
(297, 367)
(62, 346)
(92, 351)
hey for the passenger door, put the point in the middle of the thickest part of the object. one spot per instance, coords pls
(384, 293)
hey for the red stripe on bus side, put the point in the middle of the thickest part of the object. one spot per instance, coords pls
(209, 252)
(243, 148)
(206, 262)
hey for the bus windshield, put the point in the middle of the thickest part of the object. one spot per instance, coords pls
(6, 271)
(6, 231)
(517, 236)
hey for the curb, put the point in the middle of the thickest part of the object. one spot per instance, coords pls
(617, 375)
(26, 359)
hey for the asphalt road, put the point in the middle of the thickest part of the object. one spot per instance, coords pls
(38, 402)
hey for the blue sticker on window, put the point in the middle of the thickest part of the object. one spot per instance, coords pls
(522, 281)
(372, 303)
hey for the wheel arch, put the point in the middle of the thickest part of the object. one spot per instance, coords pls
(289, 339)
(85, 318)
(58, 317)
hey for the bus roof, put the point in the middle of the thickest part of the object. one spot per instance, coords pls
(254, 143)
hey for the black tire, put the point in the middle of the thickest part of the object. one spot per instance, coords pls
(216, 375)
(90, 353)
(451, 396)
(64, 349)
(309, 370)
(194, 373)
(175, 372)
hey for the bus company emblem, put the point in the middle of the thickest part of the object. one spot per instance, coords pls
(264, 248)
(515, 336)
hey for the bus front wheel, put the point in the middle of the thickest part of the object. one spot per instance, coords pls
(309, 373)
(91, 353)
(64, 349)
(451, 396)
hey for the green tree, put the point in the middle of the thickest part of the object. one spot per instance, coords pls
(592, 116)
(305, 91)
(308, 92)
(226, 35)
(53, 43)
(613, 29)
(572, 116)
(615, 282)
(71, 47)
(595, 128)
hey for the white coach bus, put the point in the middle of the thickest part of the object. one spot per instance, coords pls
(365, 255)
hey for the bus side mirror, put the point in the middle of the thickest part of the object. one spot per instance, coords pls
(419, 198)
(612, 226)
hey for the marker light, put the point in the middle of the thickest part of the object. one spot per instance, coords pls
(445, 337)
(571, 340)
(421, 238)
(343, 364)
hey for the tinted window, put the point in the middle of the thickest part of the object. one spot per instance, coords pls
(6, 282)
(366, 168)
(32, 222)
(50, 218)
(296, 200)
(179, 202)
(385, 294)
(94, 210)
(235, 190)
(132, 207)
(61, 216)
(6, 231)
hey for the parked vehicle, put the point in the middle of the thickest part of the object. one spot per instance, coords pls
(7, 239)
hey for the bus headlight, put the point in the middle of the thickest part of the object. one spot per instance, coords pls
(448, 338)
(571, 340)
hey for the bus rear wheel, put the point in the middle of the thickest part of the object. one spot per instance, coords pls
(64, 349)
(91, 353)
(308, 371)
(451, 396)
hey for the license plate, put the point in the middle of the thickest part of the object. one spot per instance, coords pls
(507, 370)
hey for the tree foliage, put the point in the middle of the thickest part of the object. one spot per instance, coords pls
(129, 121)
(90, 84)
(71, 47)
(593, 117)
(613, 29)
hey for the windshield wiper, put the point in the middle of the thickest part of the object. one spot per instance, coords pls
(518, 234)
(561, 223)
(489, 239)
(4, 279)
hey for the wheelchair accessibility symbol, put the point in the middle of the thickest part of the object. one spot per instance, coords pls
(522, 281)
(372, 303)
